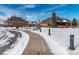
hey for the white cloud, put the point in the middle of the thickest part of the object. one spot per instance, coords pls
(63, 11)
(9, 12)
(58, 6)
(58, 12)
(2, 19)
(30, 6)
(27, 6)
(29, 17)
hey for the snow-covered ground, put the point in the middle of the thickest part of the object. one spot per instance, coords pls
(19, 45)
(59, 40)
(4, 37)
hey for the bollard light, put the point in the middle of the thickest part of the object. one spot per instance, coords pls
(49, 31)
(40, 29)
(71, 47)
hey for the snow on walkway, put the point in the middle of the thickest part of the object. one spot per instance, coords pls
(19, 45)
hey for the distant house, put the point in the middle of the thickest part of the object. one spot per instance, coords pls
(64, 23)
(45, 22)
(15, 21)
(55, 21)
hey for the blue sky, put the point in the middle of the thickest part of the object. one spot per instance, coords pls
(35, 12)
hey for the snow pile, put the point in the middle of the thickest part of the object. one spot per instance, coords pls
(5, 37)
(59, 39)
(2, 33)
(19, 46)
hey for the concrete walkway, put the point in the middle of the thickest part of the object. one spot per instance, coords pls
(36, 45)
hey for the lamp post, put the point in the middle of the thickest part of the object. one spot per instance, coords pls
(32, 23)
(40, 28)
(71, 47)
(33, 27)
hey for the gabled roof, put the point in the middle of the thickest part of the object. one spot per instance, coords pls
(63, 20)
(59, 20)
(14, 18)
(46, 20)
